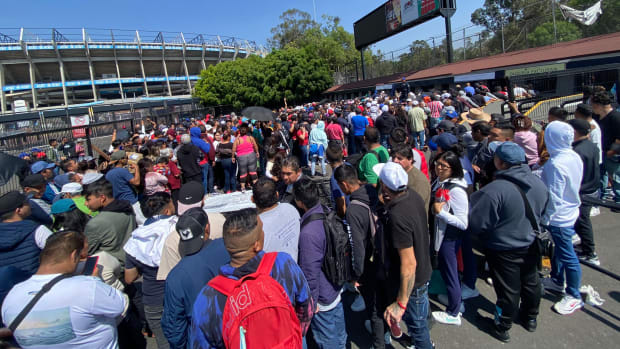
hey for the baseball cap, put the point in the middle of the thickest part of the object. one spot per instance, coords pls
(91, 177)
(33, 181)
(186, 139)
(12, 200)
(415, 102)
(392, 175)
(190, 196)
(510, 153)
(63, 205)
(452, 114)
(446, 141)
(71, 188)
(191, 228)
(446, 125)
(580, 125)
(118, 155)
(40, 166)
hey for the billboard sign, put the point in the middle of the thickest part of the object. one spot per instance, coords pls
(395, 16)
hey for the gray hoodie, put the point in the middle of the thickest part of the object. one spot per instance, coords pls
(497, 211)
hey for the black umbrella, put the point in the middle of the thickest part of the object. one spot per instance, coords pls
(258, 113)
(11, 165)
(324, 101)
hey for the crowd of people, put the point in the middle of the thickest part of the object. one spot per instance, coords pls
(104, 251)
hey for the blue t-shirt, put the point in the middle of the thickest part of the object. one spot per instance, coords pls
(359, 124)
(120, 177)
(335, 188)
(184, 283)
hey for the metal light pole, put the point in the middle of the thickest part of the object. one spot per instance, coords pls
(555, 28)
(314, 6)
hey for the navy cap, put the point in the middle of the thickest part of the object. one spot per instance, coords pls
(446, 141)
(511, 153)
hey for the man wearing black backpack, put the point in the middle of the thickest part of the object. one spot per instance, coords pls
(328, 324)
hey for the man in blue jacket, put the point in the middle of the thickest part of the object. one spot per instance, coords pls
(202, 259)
(205, 147)
(498, 215)
(328, 325)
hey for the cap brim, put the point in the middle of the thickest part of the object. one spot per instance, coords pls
(190, 247)
(378, 168)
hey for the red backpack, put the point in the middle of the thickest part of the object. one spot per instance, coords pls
(258, 312)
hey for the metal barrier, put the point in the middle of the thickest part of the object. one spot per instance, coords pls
(538, 108)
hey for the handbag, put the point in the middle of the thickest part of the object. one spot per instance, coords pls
(22, 315)
(543, 241)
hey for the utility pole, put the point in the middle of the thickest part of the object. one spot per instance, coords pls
(363, 65)
(464, 46)
(503, 46)
(314, 6)
(555, 28)
(447, 13)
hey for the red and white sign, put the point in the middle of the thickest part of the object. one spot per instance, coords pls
(76, 122)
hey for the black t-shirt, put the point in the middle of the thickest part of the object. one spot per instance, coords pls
(225, 150)
(407, 227)
(610, 129)
(152, 289)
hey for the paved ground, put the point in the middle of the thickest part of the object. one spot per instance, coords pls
(591, 327)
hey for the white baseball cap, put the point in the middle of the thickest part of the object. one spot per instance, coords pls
(416, 102)
(392, 175)
(71, 188)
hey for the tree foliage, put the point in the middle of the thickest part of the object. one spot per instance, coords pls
(544, 33)
(297, 74)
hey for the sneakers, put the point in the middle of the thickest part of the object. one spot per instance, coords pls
(530, 325)
(595, 211)
(568, 305)
(447, 319)
(576, 240)
(358, 304)
(467, 293)
(552, 286)
(590, 259)
(443, 299)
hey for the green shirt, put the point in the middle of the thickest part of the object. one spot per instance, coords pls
(368, 161)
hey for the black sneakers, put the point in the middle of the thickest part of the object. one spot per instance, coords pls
(529, 324)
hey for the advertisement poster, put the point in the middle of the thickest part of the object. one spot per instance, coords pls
(403, 12)
(393, 15)
(76, 122)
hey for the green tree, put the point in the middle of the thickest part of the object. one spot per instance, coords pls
(293, 25)
(544, 33)
(297, 74)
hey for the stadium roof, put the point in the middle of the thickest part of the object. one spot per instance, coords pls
(597, 45)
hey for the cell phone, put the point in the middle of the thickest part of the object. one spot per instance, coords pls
(90, 265)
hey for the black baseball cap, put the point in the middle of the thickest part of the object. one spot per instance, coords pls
(190, 196)
(12, 200)
(33, 181)
(191, 229)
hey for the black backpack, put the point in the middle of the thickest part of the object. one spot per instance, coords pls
(355, 159)
(325, 190)
(337, 262)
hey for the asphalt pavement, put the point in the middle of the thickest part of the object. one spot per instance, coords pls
(591, 327)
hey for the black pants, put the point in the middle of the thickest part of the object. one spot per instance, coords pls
(377, 296)
(359, 144)
(515, 277)
(583, 227)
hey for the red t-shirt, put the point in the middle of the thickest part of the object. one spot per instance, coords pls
(334, 132)
(305, 140)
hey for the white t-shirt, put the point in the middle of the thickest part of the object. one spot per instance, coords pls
(281, 227)
(41, 234)
(80, 311)
(595, 136)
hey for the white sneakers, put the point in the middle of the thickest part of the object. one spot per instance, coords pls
(447, 319)
(567, 305)
(595, 211)
(443, 299)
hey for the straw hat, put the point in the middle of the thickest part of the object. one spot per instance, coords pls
(474, 115)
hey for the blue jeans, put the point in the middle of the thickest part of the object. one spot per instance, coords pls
(416, 318)
(304, 155)
(207, 177)
(448, 268)
(612, 169)
(418, 139)
(230, 175)
(565, 259)
(328, 328)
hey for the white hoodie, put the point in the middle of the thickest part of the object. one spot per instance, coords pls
(459, 205)
(562, 174)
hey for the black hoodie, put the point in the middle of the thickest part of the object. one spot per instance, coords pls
(497, 211)
(189, 156)
(359, 222)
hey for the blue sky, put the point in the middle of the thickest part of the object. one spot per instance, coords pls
(247, 19)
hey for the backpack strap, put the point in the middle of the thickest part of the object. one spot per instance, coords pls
(266, 264)
(48, 286)
(313, 217)
(372, 151)
(373, 227)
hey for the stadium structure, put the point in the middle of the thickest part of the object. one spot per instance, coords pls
(51, 68)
